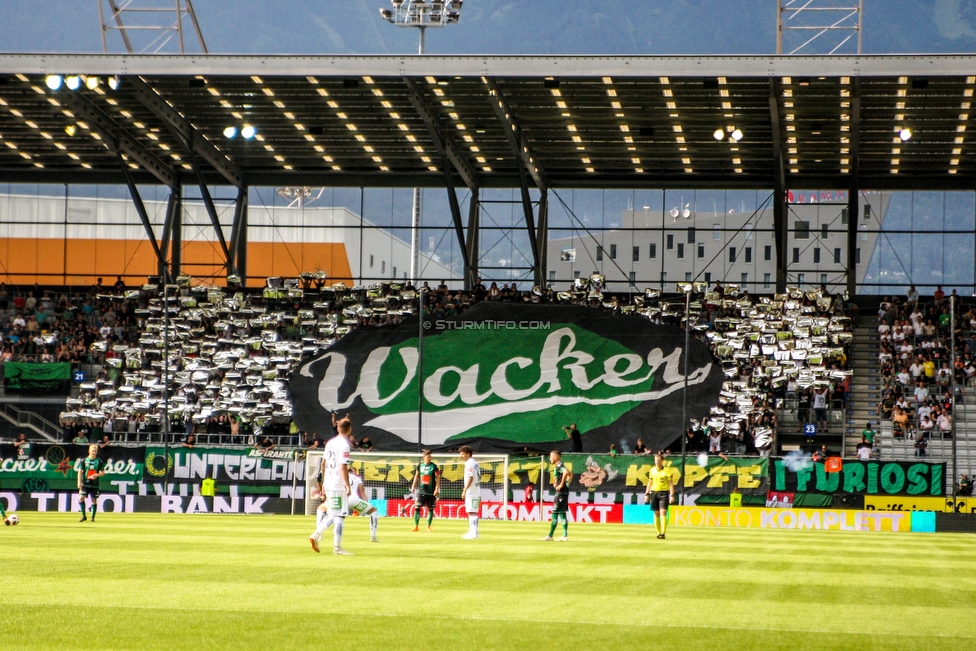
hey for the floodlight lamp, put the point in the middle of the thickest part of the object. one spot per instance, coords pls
(736, 135)
(113, 83)
(248, 132)
(230, 132)
(91, 83)
(53, 81)
(905, 134)
(73, 82)
(719, 134)
(397, 4)
(71, 129)
(386, 14)
(685, 213)
(674, 213)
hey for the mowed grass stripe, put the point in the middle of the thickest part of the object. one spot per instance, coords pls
(769, 587)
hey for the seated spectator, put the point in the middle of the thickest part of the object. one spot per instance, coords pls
(190, 441)
(864, 449)
(365, 445)
(640, 449)
(965, 485)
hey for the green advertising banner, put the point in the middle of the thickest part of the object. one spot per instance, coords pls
(629, 474)
(860, 478)
(249, 466)
(22, 377)
(55, 467)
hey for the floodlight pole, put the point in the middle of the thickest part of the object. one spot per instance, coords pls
(165, 428)
(420, 369)
(952, 396)
(684, 400)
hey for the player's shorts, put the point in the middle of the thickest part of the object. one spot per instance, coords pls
(89, 491)
(423, 499)
(561, 503)
(472, 504)
(358, 504)
(659, 500)
(337, 503)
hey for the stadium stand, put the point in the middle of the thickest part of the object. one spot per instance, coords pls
(233, 350)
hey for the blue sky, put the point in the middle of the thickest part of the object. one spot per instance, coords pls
(499, 27)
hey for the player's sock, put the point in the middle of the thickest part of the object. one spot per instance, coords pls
(319, 516)
(374, 520)
(324, 524)
(416, 517)
(337, 531)
(657, 523)
(84, 515)
(473, 525)
(565, 527)
(552, 525)
(664, 523)
(430, 517)
(94, 509)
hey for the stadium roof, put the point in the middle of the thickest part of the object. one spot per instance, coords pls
(567, 121)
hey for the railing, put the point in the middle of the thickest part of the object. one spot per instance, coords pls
(29, 419)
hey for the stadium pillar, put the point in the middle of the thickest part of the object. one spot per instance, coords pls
(174, 207)
(853, 194)
(780, 207)
(237, 254)
(542, 238)
(474, 226)
(176, 241)
(456, 216)
(140, 209)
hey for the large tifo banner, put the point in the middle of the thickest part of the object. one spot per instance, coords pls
(504, 377)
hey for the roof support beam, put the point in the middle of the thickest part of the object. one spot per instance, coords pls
(141, 210)
(516, 137)
(211, 209)
(853, 191)
(525, 160)
(542, 237)
(184, 132)
(117, 138)
(456, 217)
(451, 156)
(443, 142)
(780, 208)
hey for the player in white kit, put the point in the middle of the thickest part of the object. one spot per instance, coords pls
(335, 467)
(471, 494)
(357, 503)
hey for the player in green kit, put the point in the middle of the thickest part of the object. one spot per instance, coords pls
(426, 486)
(561, 476)
(660, 493)
(91, 469)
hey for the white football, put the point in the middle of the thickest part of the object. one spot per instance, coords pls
(13, 519)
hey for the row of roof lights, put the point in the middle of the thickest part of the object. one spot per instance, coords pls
(75, 82)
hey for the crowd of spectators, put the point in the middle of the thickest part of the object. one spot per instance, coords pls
(791, 347)
(920, 377)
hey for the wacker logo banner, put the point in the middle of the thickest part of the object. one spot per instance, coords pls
(510, 376)
(860, 477)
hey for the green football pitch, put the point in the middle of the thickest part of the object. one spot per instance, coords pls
(218, 582)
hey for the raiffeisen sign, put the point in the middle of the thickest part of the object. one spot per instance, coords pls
(510, 376)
